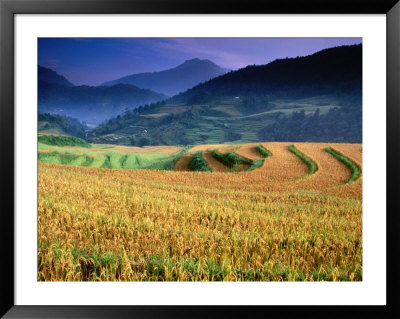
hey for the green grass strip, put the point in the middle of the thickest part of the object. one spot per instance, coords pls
(52, 158)
(199, 164)
(78, 161)
(107, 162)
(88, 161)
(312, 166)
(131, 162)
(59, 158)
(231, 159)
(263, 151)
(354, 168)
(115, 160)
(122, 160)
(98, 161)
(257, 163)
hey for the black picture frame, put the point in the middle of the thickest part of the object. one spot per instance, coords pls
(8, 8)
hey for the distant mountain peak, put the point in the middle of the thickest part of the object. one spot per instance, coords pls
(194, 60)
(175, 80)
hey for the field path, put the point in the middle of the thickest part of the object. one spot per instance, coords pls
(216, 165)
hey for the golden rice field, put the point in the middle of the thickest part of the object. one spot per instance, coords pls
(268, 224)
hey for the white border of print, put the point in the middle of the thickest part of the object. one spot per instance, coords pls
(372, 290)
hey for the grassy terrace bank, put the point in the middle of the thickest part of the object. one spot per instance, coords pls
(263, 151)
(231, 159)
(312, 166)
(354, 168)
(199, 164)
(112, 159)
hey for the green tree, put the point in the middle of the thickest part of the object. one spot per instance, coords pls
(127, 113)
(144, 141)
(132, 139)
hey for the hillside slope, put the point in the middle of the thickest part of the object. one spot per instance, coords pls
(58, 124)
(316, 98)
(92, 104)
(50, 76)
(328, 71)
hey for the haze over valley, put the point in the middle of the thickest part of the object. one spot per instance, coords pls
(312, 98)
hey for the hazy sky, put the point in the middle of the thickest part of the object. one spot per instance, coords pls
(92, 61)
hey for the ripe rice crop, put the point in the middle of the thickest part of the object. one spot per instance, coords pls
(183, 163)
(312, 166)
(354, 153)
(267, 224)
(215, 165)
(249, 151)
(354, 168)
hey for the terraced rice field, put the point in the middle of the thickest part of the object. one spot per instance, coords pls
(354, 153)
(283, 167)
(284, 170)
(110, 156)
(248, 151)
(273, 223)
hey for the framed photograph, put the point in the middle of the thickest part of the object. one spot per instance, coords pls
(159, 155)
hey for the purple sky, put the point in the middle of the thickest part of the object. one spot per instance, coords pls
(92, 61)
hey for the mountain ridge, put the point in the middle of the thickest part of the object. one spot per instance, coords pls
(174, 80)
(338, 66)
(51, 76)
